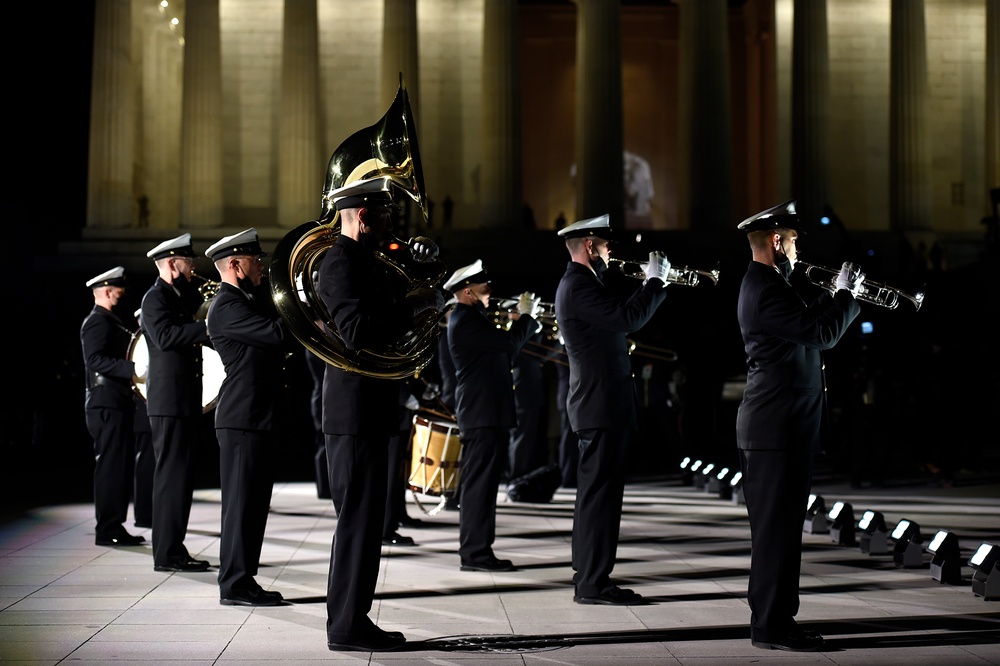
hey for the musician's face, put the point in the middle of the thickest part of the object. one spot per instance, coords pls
(251, 268)
(789, 247)
(482, 292)
(379, 221)
(115, 294)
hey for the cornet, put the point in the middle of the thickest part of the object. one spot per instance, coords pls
(869, 292)
(686, 277)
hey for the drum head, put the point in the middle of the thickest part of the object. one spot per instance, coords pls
(213, 371)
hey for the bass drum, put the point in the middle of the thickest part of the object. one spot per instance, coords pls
(213, 371)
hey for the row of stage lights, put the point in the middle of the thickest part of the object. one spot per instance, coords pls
(904, 542)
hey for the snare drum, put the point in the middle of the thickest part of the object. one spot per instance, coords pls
(435, 458)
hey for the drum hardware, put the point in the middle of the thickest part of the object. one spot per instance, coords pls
(870, 292)
(650, 351)
(686, 277)
(435, 461)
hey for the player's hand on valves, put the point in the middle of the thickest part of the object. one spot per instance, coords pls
(529, 304)
(850, 278)
(423, 249)
(425, 298)
(658, 267)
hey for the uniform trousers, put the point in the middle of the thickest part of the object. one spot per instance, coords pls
(112, 433)
(358, 471)
(776, 488)
(173, 485)
(395, 502)
(245, 458)
(145, 468)
(598, 512)
(483, 451)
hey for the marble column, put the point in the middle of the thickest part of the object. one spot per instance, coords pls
(501, 203)
(399, 52)
(992, 94)
(301, 167)
(201, 126)
(810, 109)
(112, 118)
(706, 130)
(600, 143)
(909, 167)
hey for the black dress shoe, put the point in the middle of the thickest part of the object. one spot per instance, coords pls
(121, 539)
(255, 597)
(793, 641)
(492, 564)
(615, 596)
(396, 539)
(187, 564)
(411, 522)
(373, 640)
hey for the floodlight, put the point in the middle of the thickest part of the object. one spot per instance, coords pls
(736, 488)
(874, 536)
(815, 520)
(707, 472)
(986, 572)
(908, 550)
(946, 565)
(686, 471)
(841, 519)
(718, 483)
(697, 480)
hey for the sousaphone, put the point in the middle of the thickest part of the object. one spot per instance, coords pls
(387, 148)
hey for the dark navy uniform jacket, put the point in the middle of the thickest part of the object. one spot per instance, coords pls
(784, 399)
(174, 338)
(105, 340)
(356, 291)
(594, 323)
(251, 343)
(482, 354)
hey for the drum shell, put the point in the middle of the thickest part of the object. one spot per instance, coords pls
(435, 460)
(213, 370)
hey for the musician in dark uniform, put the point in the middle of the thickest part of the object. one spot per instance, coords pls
(778, 426)
(601, 402)
(108, 406)
(359, 411)
(484, 406)
(251, 339)
(173, 397)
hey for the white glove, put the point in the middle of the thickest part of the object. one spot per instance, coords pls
(658, 267)
(423, 249)
(529, 304)
(412, 403)
(425, 299)
(850, 278)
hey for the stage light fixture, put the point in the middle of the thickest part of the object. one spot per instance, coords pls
(841, 519)
(908, 549)
(736, 488)
(946, 561)
(815, 520)
(685, 467)
(874, 535)
(985, 564)
(707, 472)
(697, 480)
(718, 483)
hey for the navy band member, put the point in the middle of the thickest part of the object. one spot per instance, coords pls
(109, 409)
(484, 406)
(359, 411)
(173, 397)
(778, 426)
(251, 340)
(601, 401)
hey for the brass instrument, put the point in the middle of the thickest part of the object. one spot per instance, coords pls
(386, 149)
(870, 291)
(686, 277)
(650, 351)
(208, 290)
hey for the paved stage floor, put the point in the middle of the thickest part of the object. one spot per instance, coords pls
(63, 599)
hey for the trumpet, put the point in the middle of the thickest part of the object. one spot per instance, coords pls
(686, 277)
(208, 289)
(869, 292)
